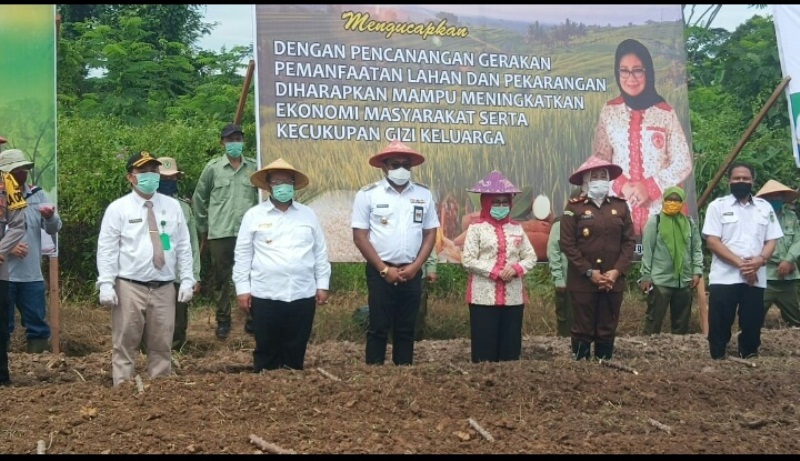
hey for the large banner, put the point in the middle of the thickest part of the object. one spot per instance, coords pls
(787, 31)
(28, 91)
(529, 90)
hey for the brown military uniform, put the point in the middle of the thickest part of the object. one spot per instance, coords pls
(599, 238)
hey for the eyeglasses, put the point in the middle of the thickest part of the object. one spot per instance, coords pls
(280, 182)
(394, 164)
(637, 73)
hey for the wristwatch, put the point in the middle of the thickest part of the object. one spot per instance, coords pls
(384, 272)
(589, 273)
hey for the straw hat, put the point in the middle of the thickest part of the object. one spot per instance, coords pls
(259, 178)
(494, 183)
(396, 148)
(593, 163)
(774, 187)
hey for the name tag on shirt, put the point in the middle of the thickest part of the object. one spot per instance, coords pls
(134, 221)
(729, 217)
(418, 214)
(382, 205)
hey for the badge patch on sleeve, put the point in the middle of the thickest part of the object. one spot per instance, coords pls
(418, 210)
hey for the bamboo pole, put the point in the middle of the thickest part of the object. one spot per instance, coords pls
(248, 78)
(55, 303)
(739, 145)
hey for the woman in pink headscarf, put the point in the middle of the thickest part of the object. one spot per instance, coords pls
(497, 254)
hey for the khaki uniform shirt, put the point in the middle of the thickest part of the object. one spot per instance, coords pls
(787, 247)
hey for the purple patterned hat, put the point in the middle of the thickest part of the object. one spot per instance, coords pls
(494, 183)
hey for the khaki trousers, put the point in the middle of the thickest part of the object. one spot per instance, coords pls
(146, 315)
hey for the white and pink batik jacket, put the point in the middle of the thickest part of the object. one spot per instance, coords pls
(487, 250)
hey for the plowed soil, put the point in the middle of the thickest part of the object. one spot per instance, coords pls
(677, 401)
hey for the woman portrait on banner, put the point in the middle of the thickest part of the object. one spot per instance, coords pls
(640, 132)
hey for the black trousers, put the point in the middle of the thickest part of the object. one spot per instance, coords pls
(391, 308)
(495, 332)
(5, 306)
(723, 301)
(281, 331)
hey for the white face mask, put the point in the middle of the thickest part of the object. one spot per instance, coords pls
(399, 176)
(598, 189)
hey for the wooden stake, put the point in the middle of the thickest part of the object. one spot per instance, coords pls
(55, 303)
(659, 425)
(486, 435)
(328, 375)
(456, 369)
(742, 361)
(41, 449)
(269, 447)
(618, 366)
(248, 77)
(139, 384)
(632, 341)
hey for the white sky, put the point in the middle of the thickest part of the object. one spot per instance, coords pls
(236, 23)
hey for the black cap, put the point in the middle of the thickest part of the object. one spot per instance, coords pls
(140, 159)
(230, 129)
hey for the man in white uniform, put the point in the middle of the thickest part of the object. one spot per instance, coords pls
(394, 227)
(741, 231)
(142, 235)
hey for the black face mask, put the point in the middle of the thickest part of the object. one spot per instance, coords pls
(168, 187)
(741, 190)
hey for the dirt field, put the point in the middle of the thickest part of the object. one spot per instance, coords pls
(679, 402)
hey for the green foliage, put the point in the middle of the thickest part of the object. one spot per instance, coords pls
(92, 158)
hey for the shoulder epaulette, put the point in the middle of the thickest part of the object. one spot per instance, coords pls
(617, 198)
(568, 213)
(370, 186)
(421, 185)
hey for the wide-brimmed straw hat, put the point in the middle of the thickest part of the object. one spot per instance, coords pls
(593, 163)
(396, 148)
(774, 187)
(259, 178)
(494, 183)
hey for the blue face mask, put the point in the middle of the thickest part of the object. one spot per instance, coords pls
(776, 205)
(147, 183)
(234, 149)
(499, 212)
(168, 187)
(283, 192)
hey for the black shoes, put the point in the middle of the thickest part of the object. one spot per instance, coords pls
(248, 326)
(223, 330)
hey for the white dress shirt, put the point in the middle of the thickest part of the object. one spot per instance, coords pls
(124, 248)
(281, 255)
(395, 220)
(743, 229)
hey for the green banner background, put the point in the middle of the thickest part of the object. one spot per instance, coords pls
(28, 88)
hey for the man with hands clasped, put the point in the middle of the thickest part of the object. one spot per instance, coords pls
(741, 231)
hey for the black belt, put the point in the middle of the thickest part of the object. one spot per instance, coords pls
(152, 285)
(395, 265)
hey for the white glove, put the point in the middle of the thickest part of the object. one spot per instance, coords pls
(108, 297)
(185, 296)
